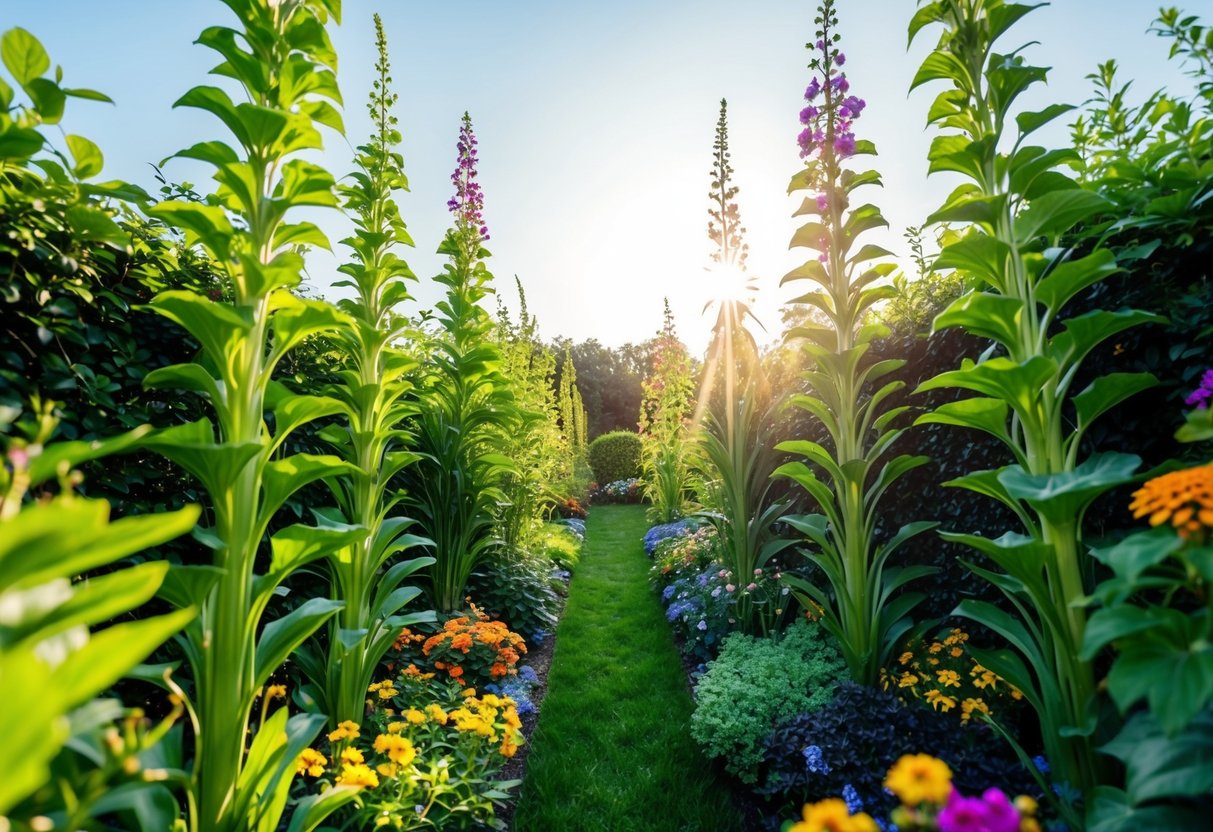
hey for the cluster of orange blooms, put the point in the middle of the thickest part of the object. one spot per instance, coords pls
(946, 676)
(486, 648)
(1182, 498)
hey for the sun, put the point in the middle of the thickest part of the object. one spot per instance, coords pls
(727, 282)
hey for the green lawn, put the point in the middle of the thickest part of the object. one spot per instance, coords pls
(612, 749)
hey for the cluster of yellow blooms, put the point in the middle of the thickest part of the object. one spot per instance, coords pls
(943, 676)
(489, 717)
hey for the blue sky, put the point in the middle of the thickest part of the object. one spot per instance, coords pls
(595, 123)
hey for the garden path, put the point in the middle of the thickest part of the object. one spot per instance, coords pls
(612, 750)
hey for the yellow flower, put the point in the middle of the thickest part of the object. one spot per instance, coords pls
(905, 657)
(397, 748)
(985, 678)
(275, 692)
(357, 775)
(311, 762)
(468, 692)
(970, 705)
(434, 711)
(936, 647)
(918, 779)
(956, 652)
(832, 815)
(1185, 498)
(948, 678)
(351, 756)
(907, 680)
(939, 700)
(415, 716)
(345, 731)
(396, 727)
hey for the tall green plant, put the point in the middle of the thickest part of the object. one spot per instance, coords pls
(373, 390)
(1019, 208)
(540, 453)
(54, 657)
(664, 424)
(465, 402)
(281, 58)
(865, 605)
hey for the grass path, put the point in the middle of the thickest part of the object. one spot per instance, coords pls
(612, 751)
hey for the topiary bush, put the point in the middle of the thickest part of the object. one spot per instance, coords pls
(615, 456)
(757, 683)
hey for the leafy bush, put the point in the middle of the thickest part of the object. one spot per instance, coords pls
(518, 591)
(426, 759)
(472, 650)
(848, 744)
(561, 543)
(615, 456)
(757, 683)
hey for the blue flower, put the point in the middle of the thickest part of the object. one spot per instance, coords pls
(702, 625)
(852, 798)
(1042, 765)
(667, 593)
(528, 674)
(813, 762)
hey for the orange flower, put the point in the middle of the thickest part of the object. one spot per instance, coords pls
(456, 671)
(498, 670)
(1184, 498)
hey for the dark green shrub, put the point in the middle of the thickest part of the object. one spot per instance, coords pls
(757, 683)
(615, 456)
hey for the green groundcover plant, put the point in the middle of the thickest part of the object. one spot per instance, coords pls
(757, 682)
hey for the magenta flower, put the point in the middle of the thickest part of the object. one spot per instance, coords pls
(844, 144)
(823, 202)
(1203, 394)
(992, 812)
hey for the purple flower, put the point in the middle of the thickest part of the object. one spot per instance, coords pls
(840, 83)
(823, 204)
(855, 105)
(1203, 394)
(813, 761)
(808, 114)
(812, 90)
(468, 202)
(702, 625)
(844, 144)
(840, 59)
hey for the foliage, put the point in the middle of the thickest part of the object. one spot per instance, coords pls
(541, 454)
(244, 229)
(471, 649)
(371, 396)
(862, 605)
(845, 745)
(738, 450)
(464, 402)
(77, 263)
(54, 655)
(756, 683)
(664, 430)
(573, 418)
(607, 381)
(427, 759)
(1154, 608)
(917, 301)
(1018, 207)
(517, 591)
(561, 544)
(616, 456)
(941, 673)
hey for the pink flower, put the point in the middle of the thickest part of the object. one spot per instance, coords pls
(729, 587)
(992, 812)
(750, 587)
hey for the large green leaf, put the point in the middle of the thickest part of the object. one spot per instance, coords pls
(1064, 496)
(280, 637)
(1105, 392)
(1069, 278)
(1057, 212)
(1161, 767)
(23, 55)
(986, 315)
(1110, 811)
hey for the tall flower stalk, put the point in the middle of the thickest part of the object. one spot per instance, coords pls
(465, 403)
(665, 424)
(284, 63)
(373, 394)
(1019, 209)
(864, 604)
